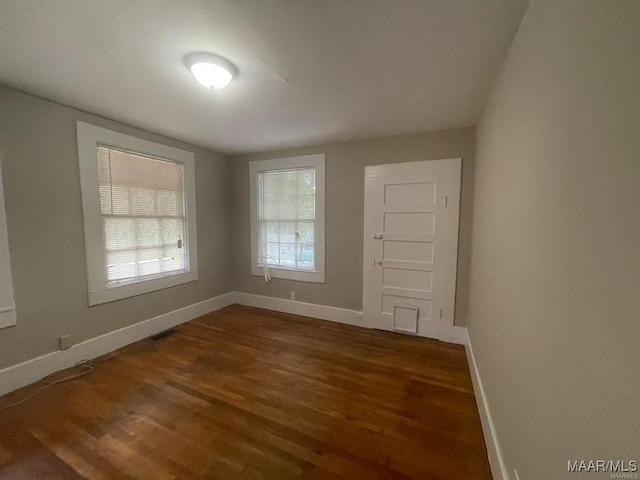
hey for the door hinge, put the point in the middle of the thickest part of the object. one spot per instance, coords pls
(445, 201)
(441, 313)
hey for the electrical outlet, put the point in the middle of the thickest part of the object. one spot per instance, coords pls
(292, 295)
(64, 341)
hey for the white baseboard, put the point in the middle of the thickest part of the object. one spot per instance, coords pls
(16, 376)
(323, 312)
(334, 314)
(498, 468)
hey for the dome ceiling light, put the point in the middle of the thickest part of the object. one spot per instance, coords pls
(211, 70)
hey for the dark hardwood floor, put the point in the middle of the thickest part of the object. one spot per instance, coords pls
(245, 393)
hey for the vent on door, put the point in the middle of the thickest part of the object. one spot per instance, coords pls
(405, 318)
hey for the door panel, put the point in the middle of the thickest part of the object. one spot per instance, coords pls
(407, 193)
(409, 222)
(408, 278)
(408, 251)
(410, 246)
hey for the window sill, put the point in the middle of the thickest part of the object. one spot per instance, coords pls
(289, 274)
(131, 289)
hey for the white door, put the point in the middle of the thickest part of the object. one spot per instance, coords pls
(411, 219)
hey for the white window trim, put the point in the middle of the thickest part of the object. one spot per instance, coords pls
(7, 302)
(89, 137)
(316, 161)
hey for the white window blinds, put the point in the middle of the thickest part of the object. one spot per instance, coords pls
(143, 214)
(287, 214)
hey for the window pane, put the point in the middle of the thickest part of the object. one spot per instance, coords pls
(306, 207)
(149, 261)
(287, 232)
(307, 182)
(280, 207)
(143, 215)
(305, 258)
(121, 265)
(172, 259)
(288, 254)
(304, 232)
(280, 181)
(147, 232)
(172, 231)
(272, 254)
(287, 200)
(120, 233)
(271, 207)
(271, 231)
(288, 194)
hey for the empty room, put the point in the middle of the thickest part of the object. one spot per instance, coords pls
(320, 239)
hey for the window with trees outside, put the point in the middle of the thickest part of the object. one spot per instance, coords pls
(288, 218)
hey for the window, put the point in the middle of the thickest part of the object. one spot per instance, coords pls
(287, 217)
(138, 200)
(7, 306)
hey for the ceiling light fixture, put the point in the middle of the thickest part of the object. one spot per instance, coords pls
(211, 70)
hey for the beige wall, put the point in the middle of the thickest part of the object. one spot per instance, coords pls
(345, 214)
(44, 219)
(555, 274)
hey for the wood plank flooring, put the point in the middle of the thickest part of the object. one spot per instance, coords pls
(245, 393)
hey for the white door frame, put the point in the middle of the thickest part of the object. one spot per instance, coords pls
(447, 211)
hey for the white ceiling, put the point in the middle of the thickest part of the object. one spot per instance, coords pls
(310, 70)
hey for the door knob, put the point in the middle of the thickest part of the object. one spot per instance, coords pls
(377, 236)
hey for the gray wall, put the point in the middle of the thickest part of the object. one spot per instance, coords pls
(555, 274)
(345, 213)
(46, 241)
